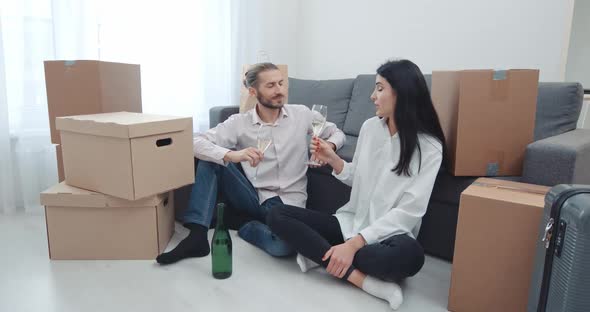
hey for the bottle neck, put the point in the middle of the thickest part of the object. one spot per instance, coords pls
(220, 209)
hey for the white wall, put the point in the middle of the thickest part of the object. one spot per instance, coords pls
(578, 61)
(343, 38)
(277, 30)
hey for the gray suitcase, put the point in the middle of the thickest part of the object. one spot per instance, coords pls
(561, 273)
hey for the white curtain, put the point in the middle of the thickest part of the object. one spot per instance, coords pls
(190, 54)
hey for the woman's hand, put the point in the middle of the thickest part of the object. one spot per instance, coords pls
(322, 151)
(341, 256)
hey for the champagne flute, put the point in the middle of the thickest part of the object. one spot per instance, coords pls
(263, 141)
(319, 113)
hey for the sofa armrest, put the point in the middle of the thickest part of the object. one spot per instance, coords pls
(219, 114)
(563, 158)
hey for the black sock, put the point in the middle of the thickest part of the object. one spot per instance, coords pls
(194, 245)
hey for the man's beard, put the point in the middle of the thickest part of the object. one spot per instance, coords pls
(269, 103)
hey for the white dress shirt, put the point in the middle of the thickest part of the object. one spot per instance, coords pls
(383, 204)
(283, 170)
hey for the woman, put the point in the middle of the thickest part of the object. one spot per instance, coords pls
(371, 240)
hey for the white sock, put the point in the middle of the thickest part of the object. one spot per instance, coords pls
(305, 264)
(385, 290)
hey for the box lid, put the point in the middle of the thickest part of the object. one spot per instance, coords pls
(64, 195)
(123, 124)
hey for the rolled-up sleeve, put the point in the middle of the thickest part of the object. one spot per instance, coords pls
(347, 173)
(216, 142)
(331, 133)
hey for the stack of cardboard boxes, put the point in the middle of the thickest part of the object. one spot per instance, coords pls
(118, 166)
(488, 118)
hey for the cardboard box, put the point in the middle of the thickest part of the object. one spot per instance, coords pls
(247, 102)
(84, 225)
(127, 155)
(60, 163)
(497, 232)
(488, 118)
(90, 87)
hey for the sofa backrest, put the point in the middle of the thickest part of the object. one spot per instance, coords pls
(349, 104)
(361, 107)
(333, 93)
(558, 108)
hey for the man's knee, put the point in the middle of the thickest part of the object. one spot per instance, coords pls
(279, 248)
(203, 165)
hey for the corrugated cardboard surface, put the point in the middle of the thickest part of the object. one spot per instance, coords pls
(487, 122)
(100, 164)
(247, 102)
(90, 87)
(128, 168)
(83, 225)
(496, 237)
(165, 212)
(60, 163)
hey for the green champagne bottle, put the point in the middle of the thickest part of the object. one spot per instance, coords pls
(221, 248)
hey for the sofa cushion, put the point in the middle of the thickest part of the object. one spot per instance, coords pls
(333, 93)
(448, 188)
(361, 107)
(558, 108)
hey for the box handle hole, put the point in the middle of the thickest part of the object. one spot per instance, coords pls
(163, 142)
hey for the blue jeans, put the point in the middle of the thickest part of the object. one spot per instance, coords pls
(211, 178)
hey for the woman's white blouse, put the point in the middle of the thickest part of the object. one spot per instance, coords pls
(383, 204)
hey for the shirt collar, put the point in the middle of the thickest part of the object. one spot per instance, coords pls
(386, 129)
(256, 119)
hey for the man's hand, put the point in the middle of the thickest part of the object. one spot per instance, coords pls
(341, 256)
(250, 154)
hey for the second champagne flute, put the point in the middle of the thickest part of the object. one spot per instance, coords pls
(319, 113)
(263, 141)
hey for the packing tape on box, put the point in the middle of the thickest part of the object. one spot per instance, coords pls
(510, 188)
(499, 74)
(495, 163)
(69, 63)
(492, 169)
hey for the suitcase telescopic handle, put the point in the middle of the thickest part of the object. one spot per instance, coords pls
(548, 233)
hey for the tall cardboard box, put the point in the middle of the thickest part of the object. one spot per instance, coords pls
(247, 102)
(90, 87)
(488, 118)
(60, 164)
(127, 155)
(84, 225)
(497, 233)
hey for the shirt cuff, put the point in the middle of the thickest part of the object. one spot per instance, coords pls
(369, 236)
(345, 173)
(332, 140)
(217, 155)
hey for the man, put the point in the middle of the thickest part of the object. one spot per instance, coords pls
(275, 177)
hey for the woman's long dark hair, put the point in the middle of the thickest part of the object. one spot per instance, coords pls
(414, 112)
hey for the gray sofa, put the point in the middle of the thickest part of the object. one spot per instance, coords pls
(560, 153)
